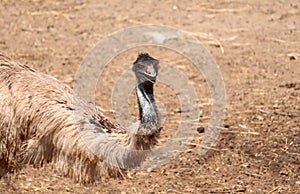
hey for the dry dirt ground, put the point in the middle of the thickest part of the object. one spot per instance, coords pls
(257, 47)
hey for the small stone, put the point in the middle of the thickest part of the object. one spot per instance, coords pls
(149, 170)
(292, 58)
(292, 27)
(260, 118)
(226, 126)
(200, 129)
(284, 173)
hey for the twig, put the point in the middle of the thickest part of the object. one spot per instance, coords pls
(249, 132)
(237, 44)
(291, 153)
(227, 10)
(243, 126)
(285, 114)
(212, 40)
(58, 12)
(173, 191)
(276, 188)
(275, 39)
(203, 146)
(62, 12)
(279, 113)
(217, 43)
(263, 111)
(289, 14)
(219, 10)
(242, 132)
(230, 190)
(225, 130)
(252, 174)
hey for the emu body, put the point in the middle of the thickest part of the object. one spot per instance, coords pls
(41, 121)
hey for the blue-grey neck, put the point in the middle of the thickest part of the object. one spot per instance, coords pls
(147, 107)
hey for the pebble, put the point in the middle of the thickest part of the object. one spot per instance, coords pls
(200, 129)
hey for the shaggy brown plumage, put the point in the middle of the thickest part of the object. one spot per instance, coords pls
(41, 121)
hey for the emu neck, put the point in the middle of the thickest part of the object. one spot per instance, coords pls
(147, 107)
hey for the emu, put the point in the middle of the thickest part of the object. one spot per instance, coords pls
(42, 122)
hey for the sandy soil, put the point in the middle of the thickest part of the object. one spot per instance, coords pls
(257, 47)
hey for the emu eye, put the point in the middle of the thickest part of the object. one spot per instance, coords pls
(138, 66)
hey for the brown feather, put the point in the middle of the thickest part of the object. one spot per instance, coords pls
(42, 122)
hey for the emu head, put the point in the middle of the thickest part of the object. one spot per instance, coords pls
(145, 68)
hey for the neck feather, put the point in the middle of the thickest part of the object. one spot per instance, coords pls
(147, 106)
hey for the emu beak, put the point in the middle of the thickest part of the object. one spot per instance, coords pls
(150, 77)
(151, 74)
